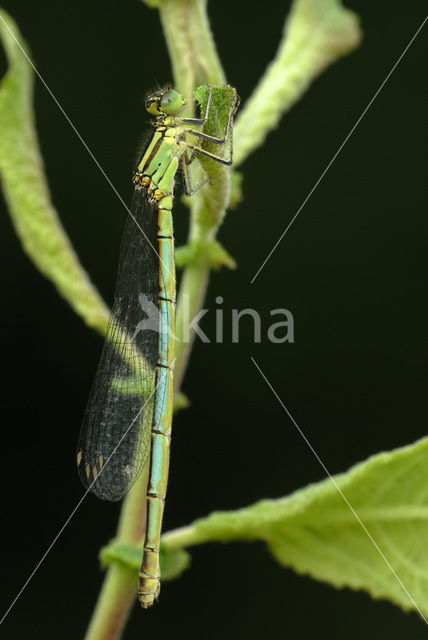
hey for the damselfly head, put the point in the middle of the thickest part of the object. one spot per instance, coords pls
(166, 101)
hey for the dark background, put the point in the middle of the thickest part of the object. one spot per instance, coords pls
(352, 270)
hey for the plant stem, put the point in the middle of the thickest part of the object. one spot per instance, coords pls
(194, 61)
(181, 538)
(193, 289)
(117, 595)
(190, 44)
(113, 606)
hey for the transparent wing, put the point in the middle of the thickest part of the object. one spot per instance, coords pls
(114, 442)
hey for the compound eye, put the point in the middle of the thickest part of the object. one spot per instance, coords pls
(152, 105)
(171, 102)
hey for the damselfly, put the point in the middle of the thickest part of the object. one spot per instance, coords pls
(127, 423)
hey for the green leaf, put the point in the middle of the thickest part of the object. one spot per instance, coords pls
(316, 34)
(221, 100)
(173, 561)
(315, 532)
(153, 4)
(181, 401)
(236, 194)
(209, 253)
(25, 186)
(210, 202)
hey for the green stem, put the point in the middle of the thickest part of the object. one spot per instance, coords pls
(114, 604)
(117, 595)
(174, 19)
(182, 538)
(193, 289)
(207, 61)
(190, 44)
(194, 61)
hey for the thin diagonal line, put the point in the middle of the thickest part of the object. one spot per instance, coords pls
(339, 150)
(82, 140)
(339, 490)
(74, 510)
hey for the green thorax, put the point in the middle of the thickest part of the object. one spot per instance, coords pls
(157, 168)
